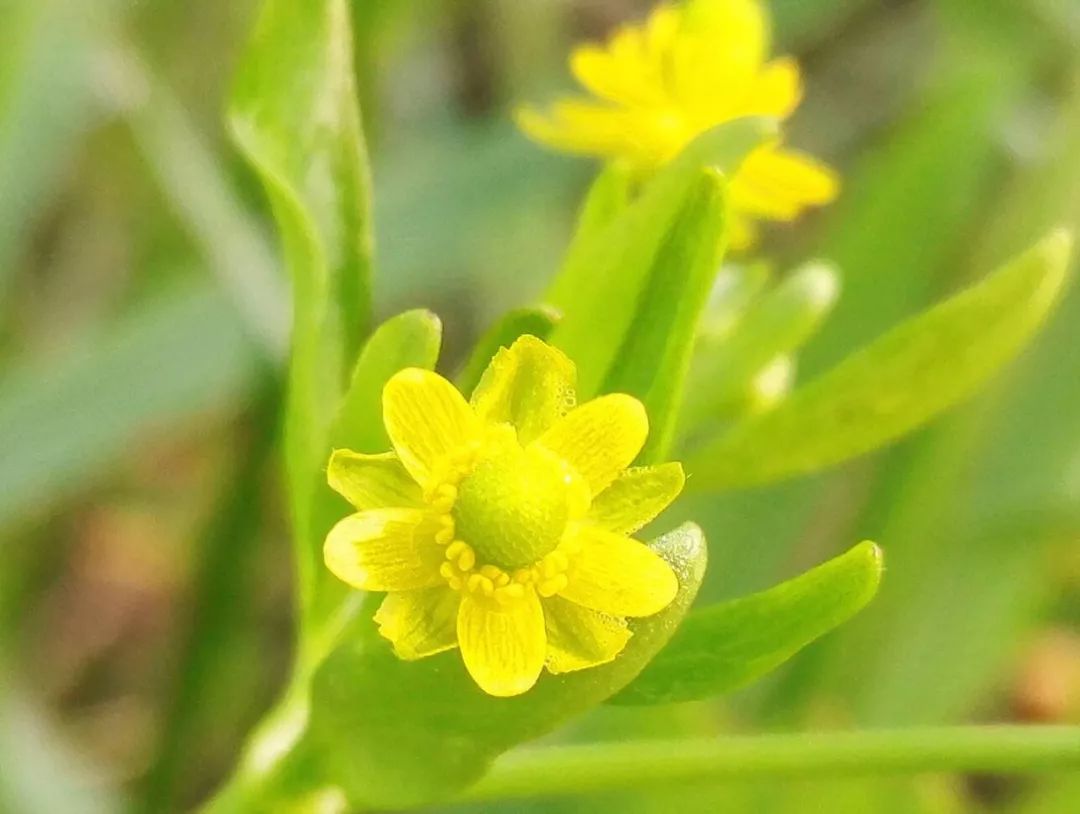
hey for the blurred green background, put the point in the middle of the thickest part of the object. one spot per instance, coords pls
(144, 574)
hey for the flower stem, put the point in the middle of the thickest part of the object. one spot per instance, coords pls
(567, 770)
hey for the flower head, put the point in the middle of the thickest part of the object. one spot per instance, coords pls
(658, 85)
(501, 526)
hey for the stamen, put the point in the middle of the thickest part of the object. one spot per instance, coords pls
(550, 587)
(480, 585)
(445, 534)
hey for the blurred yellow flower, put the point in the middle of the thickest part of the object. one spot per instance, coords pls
(502, 526)
(658, 85)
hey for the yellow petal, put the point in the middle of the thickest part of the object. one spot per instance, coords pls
(578, 126)
(502, 645)
(529, 385)
(779, 184)
(719, 49)
(372, 481)
(661, 31)
(776, 91)
(600, 438)
(622, 81)
(636, 497)
(385, 550)
(427, 420)
(578, 638)
(619, 576)
(420, 623)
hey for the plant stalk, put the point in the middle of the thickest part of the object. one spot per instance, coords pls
(571, 770)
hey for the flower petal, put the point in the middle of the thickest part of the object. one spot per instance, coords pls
(385, 550)
(420, 623)
(578, 126)
(530, 385)
(427, 420)
(578, 638)
(777, 90)
(636, 497)
(502, 645)
(600, 438)
(372, 481)
(718, 50)
(778, 184)
(617, 575)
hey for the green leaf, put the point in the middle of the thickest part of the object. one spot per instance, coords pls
(196, 184)
(397, 733)
(50, 58)
(654, 359)
(410, 339)
(538, 321)
(776, 325)
(601, 287)
(607, 197)
(723, 647)
(900, 381)
(64, 421)
(294, 116)
(896, 240)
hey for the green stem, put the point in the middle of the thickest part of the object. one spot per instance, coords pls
(569, 770)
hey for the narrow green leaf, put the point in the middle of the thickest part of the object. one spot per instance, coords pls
(294, 116)
(50, 52)
(396, 733)
(64, 420)
(654, 359)
(902, 380)
(607, 197)
(775, 326)
(195, 182)
(538, 321)
(894, 239)
(601, 288)
(723, 647)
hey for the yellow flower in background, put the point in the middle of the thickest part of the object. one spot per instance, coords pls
(502, 526)
(657, 86)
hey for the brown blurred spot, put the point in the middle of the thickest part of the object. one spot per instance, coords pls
(1047, 688)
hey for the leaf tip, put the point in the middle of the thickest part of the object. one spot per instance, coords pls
(873, 553)
(874, 560)
(426, 315)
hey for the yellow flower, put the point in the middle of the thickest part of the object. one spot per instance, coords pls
(684, 71)
(501, 526)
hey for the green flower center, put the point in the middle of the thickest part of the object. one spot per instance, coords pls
(513, 505)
